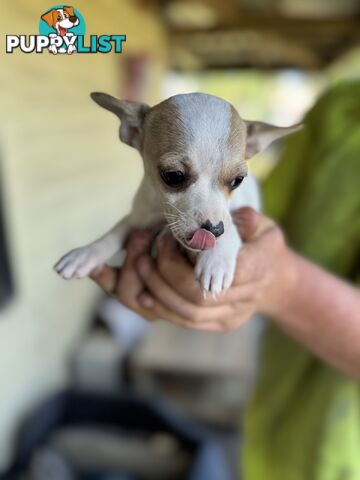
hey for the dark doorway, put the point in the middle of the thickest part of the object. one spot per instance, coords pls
(6, 283)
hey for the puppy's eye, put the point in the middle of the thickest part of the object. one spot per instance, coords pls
(236, 182)
(66, 15)
(173, 178)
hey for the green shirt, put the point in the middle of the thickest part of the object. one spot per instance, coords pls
(304, 420)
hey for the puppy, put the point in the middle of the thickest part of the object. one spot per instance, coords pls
(195, 149)
(61, 19)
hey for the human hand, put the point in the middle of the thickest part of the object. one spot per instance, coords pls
(165, 287)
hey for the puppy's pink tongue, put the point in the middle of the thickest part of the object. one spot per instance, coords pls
(202, 240)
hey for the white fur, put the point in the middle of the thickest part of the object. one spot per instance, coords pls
(214, 268)
(199, 140)
(207, 123)
(248, 195)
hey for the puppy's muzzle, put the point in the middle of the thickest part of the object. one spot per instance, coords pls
(216, 230)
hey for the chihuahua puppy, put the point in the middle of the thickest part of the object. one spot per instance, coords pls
(195, 149)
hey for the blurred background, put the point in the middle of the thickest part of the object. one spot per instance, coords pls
(65, 179)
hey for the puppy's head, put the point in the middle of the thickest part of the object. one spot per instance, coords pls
(195, 149)
(63, 18)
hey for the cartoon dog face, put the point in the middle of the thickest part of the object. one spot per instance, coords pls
(61, 19)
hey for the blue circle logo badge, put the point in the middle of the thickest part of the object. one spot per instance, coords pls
(63, 24)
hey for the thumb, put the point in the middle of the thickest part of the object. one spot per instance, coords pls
(246, 220)
(107, 277)
(250, 223)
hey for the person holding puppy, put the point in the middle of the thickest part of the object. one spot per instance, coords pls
(304, 419)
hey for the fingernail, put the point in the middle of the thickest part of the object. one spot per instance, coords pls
(240, 218)
(146, 301)
(144, 267)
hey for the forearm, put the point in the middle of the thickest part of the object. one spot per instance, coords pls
(321, 312)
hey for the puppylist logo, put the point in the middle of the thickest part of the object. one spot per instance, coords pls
(62, 30)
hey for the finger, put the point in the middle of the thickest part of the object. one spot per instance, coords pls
(248, 273)
(173, 302)
(250, 223)
(161, 290)
(152, 304)
(221, 324)
(176, 270)
(246, 220)
(129, 284)
(179, 274)
(157, 308)
(106, 277)
(240, 291)
(138, 242)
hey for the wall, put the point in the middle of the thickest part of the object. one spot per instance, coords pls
(66, 178)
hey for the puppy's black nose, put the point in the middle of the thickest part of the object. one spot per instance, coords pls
(73, 19)
(216, 230)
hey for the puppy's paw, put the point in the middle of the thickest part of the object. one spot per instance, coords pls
(71, 49)
(79, 263)
(215, 271)
(53, 49)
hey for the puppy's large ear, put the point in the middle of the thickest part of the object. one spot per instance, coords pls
(49, 18)
(131, 115)
(70, 11)
(260, 135)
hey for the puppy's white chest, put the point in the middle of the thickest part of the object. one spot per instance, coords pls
(247, 195)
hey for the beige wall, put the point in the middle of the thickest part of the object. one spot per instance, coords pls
(67, 179)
